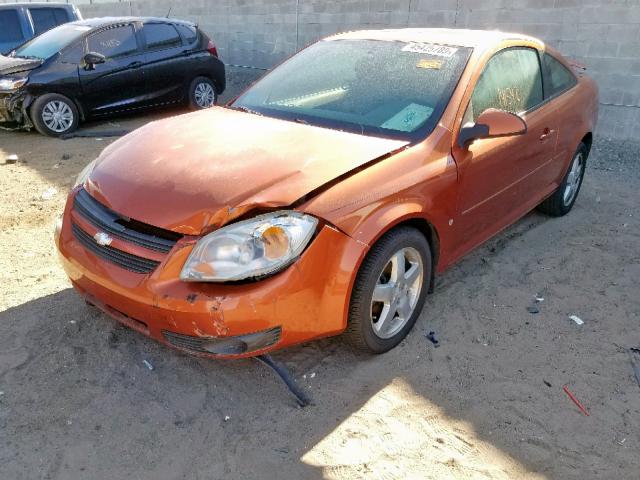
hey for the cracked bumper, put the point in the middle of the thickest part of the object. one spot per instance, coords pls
(12, 113)
(308, 300)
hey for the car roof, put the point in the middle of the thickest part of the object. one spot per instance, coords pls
(106, 21)
(480, 39)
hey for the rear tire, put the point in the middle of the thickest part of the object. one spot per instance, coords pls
(562, 200)
(389, 291)
(202, 93)
(54, 115)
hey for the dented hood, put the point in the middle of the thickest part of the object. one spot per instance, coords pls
(193, 173)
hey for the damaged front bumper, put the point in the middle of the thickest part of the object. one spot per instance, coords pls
(308, 300)
(13, 111)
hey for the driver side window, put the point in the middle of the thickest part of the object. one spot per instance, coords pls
(511, 81)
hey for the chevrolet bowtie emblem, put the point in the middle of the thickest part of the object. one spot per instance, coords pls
(103, 239)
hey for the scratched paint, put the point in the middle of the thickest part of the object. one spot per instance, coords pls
(217, 317)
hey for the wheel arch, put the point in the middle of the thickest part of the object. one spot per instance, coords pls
(416, 220)
(588, 141)
(210, 76)
(429, 231)
(33, 96)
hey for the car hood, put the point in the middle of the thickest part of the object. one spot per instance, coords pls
(196, 172)
(10, 65)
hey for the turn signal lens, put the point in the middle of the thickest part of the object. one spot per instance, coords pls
(276, 242)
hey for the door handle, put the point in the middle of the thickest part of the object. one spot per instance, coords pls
(546, 133)
(135, 64)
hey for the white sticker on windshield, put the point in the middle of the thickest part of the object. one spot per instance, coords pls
(429, 49)
(409, 118)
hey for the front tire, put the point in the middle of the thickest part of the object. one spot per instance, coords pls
(202, 93)
(389, 291)
(54, 115)
(561, 201)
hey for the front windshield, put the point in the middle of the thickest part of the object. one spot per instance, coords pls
(381, 88)
(50, 42)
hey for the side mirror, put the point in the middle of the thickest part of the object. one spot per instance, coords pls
(92, 58)
(492, 123)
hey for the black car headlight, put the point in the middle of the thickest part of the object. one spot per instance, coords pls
(12, 83)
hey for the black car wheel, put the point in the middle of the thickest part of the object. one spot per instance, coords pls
(202, 93)
(562, 200)
(54, 115)
(389, 291)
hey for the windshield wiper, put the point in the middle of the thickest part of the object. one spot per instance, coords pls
(245, 109)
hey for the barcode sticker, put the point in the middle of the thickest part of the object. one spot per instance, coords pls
(430, 49)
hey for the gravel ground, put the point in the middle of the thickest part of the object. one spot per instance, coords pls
(77, 401)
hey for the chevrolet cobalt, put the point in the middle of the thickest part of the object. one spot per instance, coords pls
(325, 198)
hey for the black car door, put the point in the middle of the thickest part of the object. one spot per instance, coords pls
(118, 83)
(165, 63)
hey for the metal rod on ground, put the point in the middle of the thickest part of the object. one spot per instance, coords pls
(634, 353)
(282, 371)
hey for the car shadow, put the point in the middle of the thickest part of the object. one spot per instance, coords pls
(78, 391)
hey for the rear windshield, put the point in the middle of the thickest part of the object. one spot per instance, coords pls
(381, 88)
(10, 30)
(51, 42)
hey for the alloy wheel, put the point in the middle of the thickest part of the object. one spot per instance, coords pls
(573, 179)
(396, 293)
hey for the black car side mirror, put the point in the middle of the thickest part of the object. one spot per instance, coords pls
(492, 123)
(93, 58)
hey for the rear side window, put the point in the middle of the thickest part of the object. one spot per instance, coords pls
(189, 33)
(511, 81)
(114, 42)
(557, 77)
(159, 36)
(46, 18)
(10, 30)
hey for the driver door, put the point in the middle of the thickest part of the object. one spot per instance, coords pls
(500, 177)
(117, 84)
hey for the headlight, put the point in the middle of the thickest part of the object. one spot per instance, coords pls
(251, 248)
(9, 84)
(84, 174)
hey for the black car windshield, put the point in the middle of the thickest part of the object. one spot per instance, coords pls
(373, 87)
(51, 42)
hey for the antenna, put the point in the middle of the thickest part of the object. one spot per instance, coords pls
(169, 12)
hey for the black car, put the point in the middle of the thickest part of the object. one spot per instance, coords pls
(98, 67)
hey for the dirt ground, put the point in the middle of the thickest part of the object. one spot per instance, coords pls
(77, 401)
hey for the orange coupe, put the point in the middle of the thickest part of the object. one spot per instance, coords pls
(326, 197)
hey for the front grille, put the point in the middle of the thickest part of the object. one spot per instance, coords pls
(138, 233)
(125, 260)
(185, 342)
(224, 345)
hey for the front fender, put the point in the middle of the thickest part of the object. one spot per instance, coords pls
(412, 186)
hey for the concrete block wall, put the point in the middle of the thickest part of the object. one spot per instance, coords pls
(603, 34)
